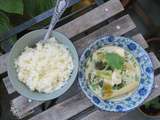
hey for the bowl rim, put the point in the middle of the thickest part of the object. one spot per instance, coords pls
(51, 95)
(90, 95)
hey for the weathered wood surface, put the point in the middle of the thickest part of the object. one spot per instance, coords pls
(117, 7)
(109, 29)
(20, 105)
(155, 61)
(155, 89)
(139, 39)
(3, 63)
(66, 109)
(92, 18)
(22, 100)
(8, 85)
(126, 25)
(89, 38)
(100, 115)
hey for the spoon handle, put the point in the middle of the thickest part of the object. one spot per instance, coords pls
(60, 7)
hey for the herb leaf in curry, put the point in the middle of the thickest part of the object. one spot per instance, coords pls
(114, 60)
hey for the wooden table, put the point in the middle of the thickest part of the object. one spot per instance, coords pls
(106, 19)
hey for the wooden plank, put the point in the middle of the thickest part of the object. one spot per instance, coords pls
(101, 115)
(83, 23)
(125, 23)
(139, 39)
(66, 109)
(21, 106)
(155, 61)
(156, 89)
(17, 106)
(91, 18)
(8, 85)
(3, 63)
(20, 99)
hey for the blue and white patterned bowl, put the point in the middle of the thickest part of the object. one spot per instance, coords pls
(146, 82)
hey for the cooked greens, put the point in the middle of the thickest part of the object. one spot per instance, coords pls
(111, 72)
(114, 60)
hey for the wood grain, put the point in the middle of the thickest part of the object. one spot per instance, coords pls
(3, 63)
(156, 88)
(8, 85)
(83, 42)
(139, 39)
(66, 109)
(126, 24)
(155, 61)
(21, 106)
(100, 115)
(91, 18)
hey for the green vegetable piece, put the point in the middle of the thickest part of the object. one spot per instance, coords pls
(104, 74)
(155, 103)
(101, 83)
(114, 60)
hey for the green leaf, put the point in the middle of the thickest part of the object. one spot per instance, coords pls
(114, 60)
(12, 6)
(35, 7)
(4, 23)
(4, 27)
(3, 18)
(155, 103)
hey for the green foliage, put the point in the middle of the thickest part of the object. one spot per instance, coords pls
(5, 26)
(24, 9)
(114, 60)
(35, 7)
(155, 103)
(12, 6)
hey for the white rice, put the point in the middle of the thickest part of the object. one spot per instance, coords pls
(46, 67)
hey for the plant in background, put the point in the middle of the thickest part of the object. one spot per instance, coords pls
(152, 108)
(14, 12)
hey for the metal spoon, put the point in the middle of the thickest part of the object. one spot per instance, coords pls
(60, 7)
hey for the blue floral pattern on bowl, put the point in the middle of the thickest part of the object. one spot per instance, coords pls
(146, 82)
